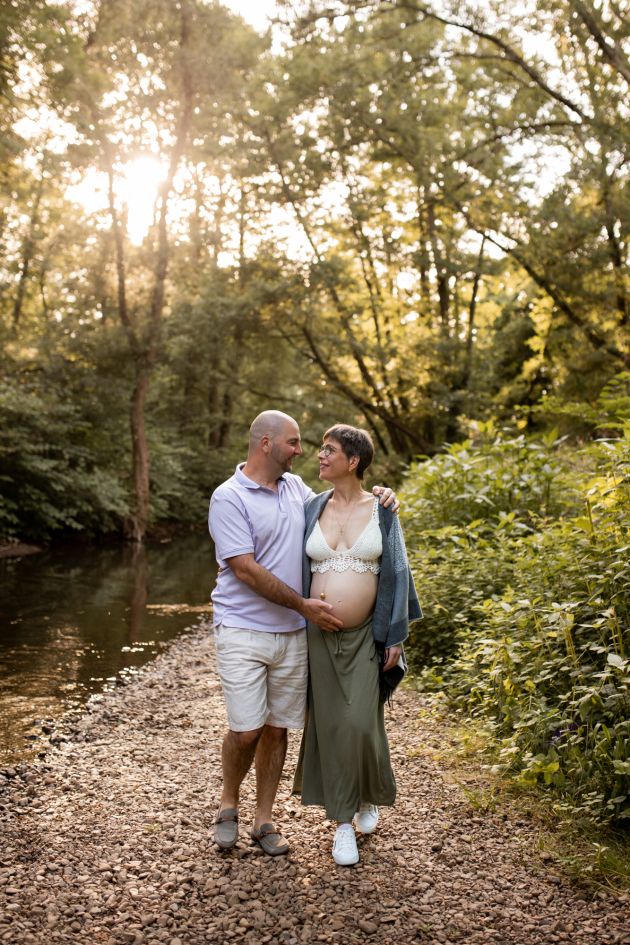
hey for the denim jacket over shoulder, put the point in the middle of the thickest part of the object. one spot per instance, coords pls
(396, 599)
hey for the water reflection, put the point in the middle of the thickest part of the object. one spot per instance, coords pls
(72, 620)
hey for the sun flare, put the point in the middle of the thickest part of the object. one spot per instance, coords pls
(138, 189)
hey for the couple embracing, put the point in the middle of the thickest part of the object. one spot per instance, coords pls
(337, 562)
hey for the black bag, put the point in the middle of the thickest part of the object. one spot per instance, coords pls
(390, 680)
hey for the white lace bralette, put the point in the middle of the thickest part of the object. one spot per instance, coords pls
(365, 554)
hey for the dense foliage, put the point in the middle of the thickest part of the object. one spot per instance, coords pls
(521, 553)
(409, 215)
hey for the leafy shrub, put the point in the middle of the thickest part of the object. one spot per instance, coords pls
(464, 513)
(482, 479)
(177, 493)
(65, 466)
(529, 617)
(50, 477)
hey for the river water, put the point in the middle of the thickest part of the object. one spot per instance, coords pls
(73, 619)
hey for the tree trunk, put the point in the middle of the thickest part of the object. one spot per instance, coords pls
(136, 525)
(28, 249)
(144, 341)
(472, 310)
(227, 405)
(441, 274)
(615, 248)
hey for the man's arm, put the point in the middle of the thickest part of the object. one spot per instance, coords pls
(386, 497)
(247, 570)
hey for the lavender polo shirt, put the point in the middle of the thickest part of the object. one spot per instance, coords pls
(246, 518)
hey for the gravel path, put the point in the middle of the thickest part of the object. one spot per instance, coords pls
(109, 841)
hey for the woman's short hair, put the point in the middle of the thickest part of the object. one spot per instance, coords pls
(353, 442)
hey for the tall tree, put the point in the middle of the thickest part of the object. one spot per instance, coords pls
(493, 139)
(147, 85)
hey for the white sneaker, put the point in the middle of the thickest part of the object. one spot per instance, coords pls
(366, 818)
(344, 849)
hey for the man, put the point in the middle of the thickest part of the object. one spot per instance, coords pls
(256, 519)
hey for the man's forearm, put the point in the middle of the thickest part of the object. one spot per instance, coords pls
(269, 586)
(273, 589)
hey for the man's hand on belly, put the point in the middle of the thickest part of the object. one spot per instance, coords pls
(271, 588)
(320, 612)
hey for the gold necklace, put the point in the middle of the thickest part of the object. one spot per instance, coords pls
(341, 527)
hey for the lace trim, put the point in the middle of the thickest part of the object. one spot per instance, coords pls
(343, 562)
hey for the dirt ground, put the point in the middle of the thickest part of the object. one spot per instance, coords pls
(109, 840)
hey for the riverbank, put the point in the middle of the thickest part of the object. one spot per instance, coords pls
(108, 840)
(77, 616)
(18, 549)
(158, 533)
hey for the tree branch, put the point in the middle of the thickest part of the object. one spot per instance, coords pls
(598, 341)
(509, 53)
(181, 135)
(613, 54)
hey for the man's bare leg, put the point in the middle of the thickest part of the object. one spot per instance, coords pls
(270, 754)
(237, 755)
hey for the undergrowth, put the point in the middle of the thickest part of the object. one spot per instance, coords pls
(520, 553)
(594, 855)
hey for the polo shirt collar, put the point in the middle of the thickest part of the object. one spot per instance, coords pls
(244, 480)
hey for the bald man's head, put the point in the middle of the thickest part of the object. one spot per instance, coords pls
(274, 442)
(270, 423)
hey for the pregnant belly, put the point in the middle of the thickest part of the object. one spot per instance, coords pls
(351, 593)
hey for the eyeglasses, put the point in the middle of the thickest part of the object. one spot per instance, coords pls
(327, 451)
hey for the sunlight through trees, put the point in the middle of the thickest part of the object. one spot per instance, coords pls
(409, 215)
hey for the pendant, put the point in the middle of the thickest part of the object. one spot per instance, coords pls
(322, 596)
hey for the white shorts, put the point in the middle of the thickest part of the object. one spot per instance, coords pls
(264, 677)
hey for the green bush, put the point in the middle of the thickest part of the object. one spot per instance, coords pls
(65, 465)
(527, 611)
(51, 480)
(482, 479)
(464, 513)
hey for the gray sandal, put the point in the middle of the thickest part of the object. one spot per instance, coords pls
(270, 840)
(226, 828)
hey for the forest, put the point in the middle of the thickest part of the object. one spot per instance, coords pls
(411, 216)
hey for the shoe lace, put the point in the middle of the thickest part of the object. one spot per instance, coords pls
(345, 840)
(367, 809)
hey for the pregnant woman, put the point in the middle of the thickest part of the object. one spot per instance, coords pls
(355, 559)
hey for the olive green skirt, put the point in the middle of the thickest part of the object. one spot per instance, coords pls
(344, 756)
